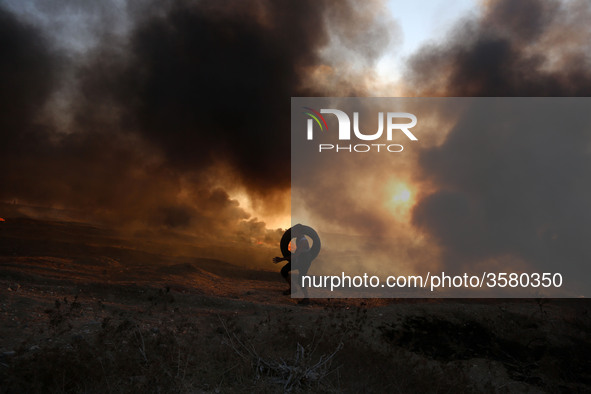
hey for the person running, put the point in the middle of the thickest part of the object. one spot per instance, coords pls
(301, 258)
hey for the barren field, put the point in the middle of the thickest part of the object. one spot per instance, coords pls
(85, 311)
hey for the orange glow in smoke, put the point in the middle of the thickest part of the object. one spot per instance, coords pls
(399, 198)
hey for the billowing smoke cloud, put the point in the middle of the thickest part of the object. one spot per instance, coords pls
(523, 195)
(517, 48)
(179, 116)
(28, 73)
(215, 80)
(162, 122)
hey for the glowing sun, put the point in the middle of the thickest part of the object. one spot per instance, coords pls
(399, 198)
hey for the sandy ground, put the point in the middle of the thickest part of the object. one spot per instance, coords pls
(82, 311)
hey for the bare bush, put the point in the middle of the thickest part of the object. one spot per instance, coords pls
(302, 372)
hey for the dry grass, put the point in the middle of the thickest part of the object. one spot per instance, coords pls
(146, 352)
(77, 317)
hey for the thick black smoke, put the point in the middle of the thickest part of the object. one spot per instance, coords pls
(28, 74)
(517, 48)
(212, 81)
(157, 125)
(522, 194)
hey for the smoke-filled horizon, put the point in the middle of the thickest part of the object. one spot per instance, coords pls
(176, 115)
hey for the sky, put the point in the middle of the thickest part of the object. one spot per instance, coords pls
(173, 116)
(419, 23)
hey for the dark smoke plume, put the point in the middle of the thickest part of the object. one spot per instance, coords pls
(28, 73)
(526, 194)
(517, 48)
(212, 82)
(158, 126)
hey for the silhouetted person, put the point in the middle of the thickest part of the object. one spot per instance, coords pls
(303, 256)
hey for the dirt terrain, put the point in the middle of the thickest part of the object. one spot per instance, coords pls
(83, 310)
